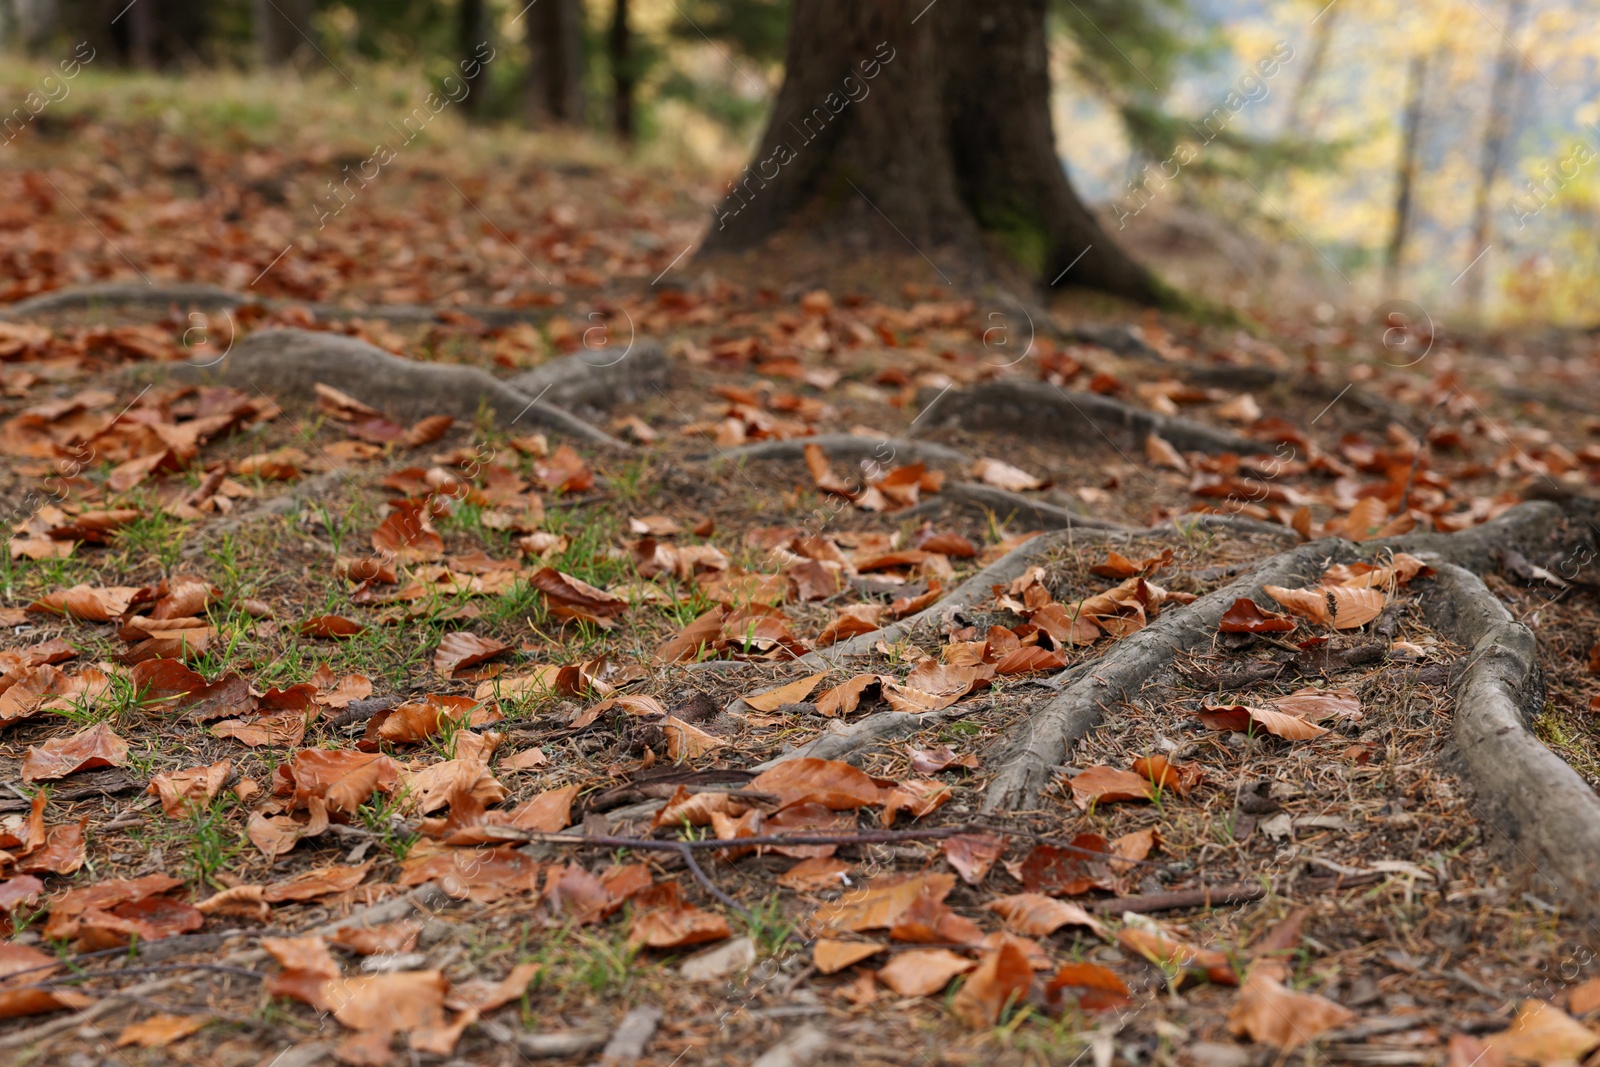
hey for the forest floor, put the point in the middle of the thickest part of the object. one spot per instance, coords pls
(310, 715)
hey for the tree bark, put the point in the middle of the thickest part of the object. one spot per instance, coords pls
(623, 77)
(164, 33)
(903, 124)
(283, 30)
(555, 67)
(471, 30)
(1406, 173)
(1312, 72)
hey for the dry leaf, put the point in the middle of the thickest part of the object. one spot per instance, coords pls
(1267, 1011)
(923, 972)
(830, 956)
(1105, 785)
(791, 693)
(1002, 978)
(85, 750)
(1543, 1033)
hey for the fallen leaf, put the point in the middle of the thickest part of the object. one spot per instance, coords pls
(1002, 977)
(1105, 785)
(1005, 476)
(923, 972)
(85, 750)
(160, 1030)
(1341, 607)
(879, 905)
(181, 792)
(830, 956)
(663, 919)
(971, 855)
(462, 649)
(792, 693)
(1266, 1011)
(331, 626)
(831, 783)
(1037, 915)
(1248, 617)
(1543, 1033)
(810, 875)
(845, 697)
(486, 996)
(1101, 989)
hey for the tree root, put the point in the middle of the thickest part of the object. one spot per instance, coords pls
(1041, 743)
(289, 363)
(1546, 817)
(851, 743)
(1048, 411)
(126, 294)
(203, 295)
(596, 380)
(1006, 506)
(853, 448)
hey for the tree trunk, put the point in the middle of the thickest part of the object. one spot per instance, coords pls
(931, 130)
(1496, 131)
(623, 77)
(163, 33)
(1313, 71)
(283, 30)
(1406, 173)
(555, 62)
(472, 29)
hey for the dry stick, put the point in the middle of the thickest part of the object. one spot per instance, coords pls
(1205, 897)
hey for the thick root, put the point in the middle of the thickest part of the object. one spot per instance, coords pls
(1038, 408)
(1008, 507)
(290, 363)
(127, 294)
(597, 380)
(850, 448)
(1544, 815)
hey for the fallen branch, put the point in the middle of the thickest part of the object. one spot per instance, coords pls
(1207, 897)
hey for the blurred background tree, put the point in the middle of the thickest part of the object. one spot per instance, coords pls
(1392, 151)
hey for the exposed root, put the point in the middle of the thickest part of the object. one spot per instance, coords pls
(126, 294)
(596, 380)
(1244, 525)
(853, 448)
(850, 743)
(1546, 817)
(205, 295)
(1037, 745)
(1040, 743)
(290, 363)
(1048, 411)
(1007, 506)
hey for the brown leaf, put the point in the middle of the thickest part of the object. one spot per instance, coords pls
(572, 598)
(1266, 1011)
(1172, 953)
(85, 750)
(407, 535)
(830, 956)
(663, 919)
(686, 741)
(160, 1030)
(852, 621)
(1037, 915)
(971, 855)
(87, 604)
(843, 698)
(1066, 872)
(1002, 978)
(1248, 617)
(1316, 704)
(462, 649)
(550, 812)
(1160, 452)
(791, 693)
(1102, 989)
(1543, 1033)
(181, 792)
(1029, 658)
(832, 783)
(1341, 607)
(333, 626)
(23, 965)
(923, 972)
(1105, 785)
(317, 882)
(917, 796)
(810, 875)
(372, 940)
(1181, 778)
(880, 904)
(1005, 476)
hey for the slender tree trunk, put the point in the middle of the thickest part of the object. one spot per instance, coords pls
(472, 29)
(162, 33)
(555, 67)
(283, 30)
(934, 133)
(623, 77)
(1406, 172)
(1322, 40)
(1496, 131)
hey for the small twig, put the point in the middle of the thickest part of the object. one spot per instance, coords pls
(362, 710)
(1206, 897)
(705, 880)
